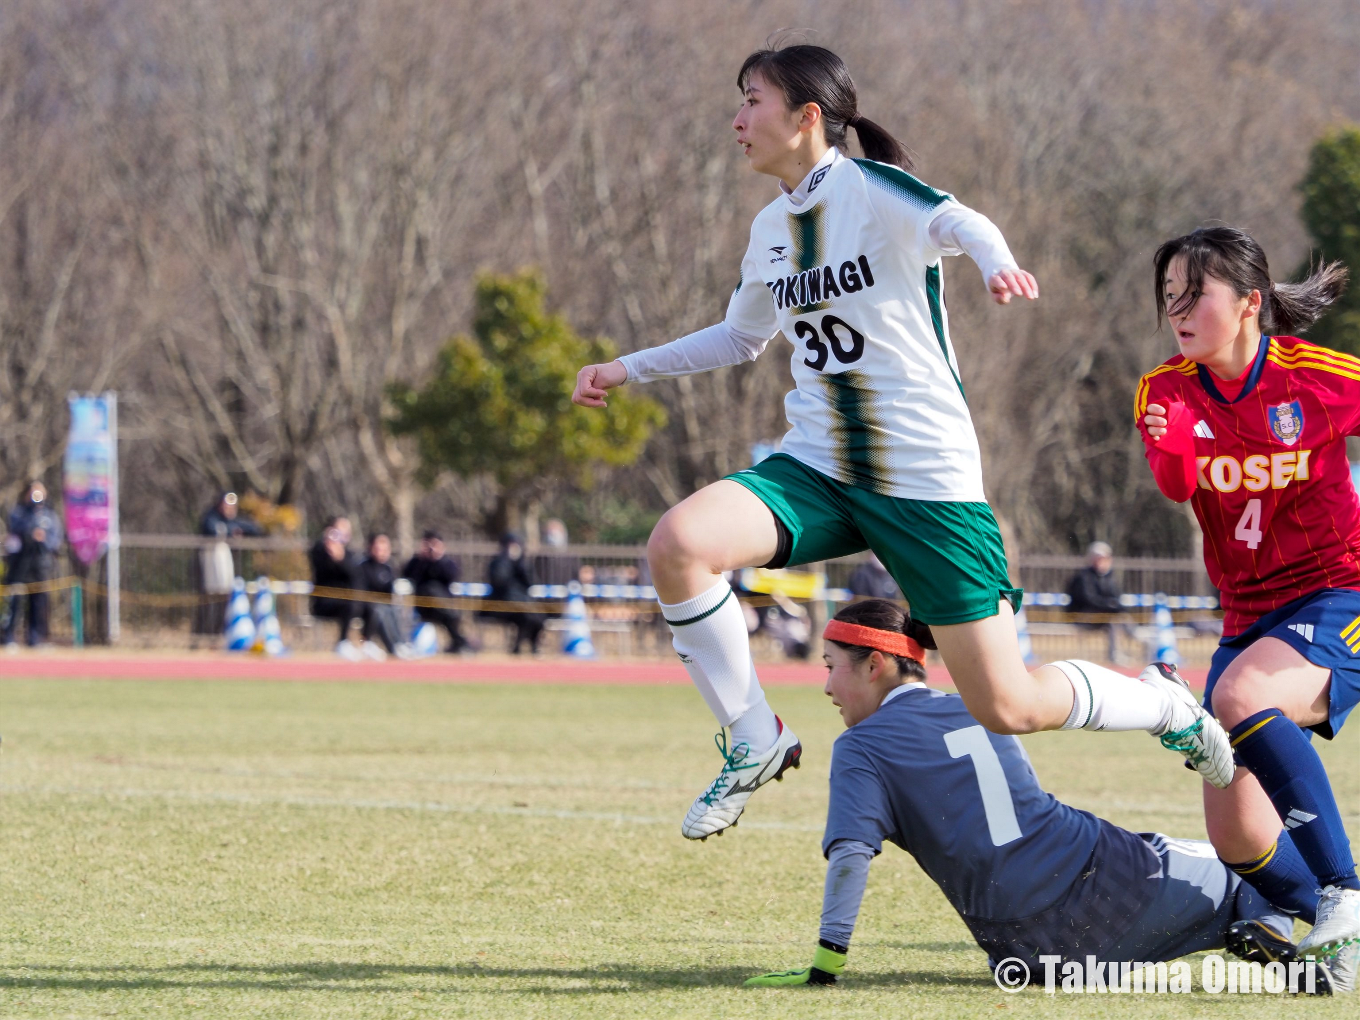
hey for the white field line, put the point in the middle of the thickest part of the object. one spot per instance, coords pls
(438, 807)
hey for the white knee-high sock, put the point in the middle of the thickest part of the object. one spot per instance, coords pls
(709, 633)
(1107, 700)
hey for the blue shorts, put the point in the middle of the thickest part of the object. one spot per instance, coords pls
(1324, 628)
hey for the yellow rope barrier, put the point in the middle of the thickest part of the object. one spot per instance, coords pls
(1037, 614)
(34, 587)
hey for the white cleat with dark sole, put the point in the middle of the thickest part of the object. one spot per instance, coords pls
(742, 774)
(1336, 935)
(1193, 732)
(1341, 969)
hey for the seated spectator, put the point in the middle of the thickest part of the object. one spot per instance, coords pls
(1094, 589)
(554, 533)
(510, 579)
(383, 619)
(871, 580)
(334, 568)
(430, 572)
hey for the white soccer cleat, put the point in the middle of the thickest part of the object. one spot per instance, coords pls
(1341, 969)
(374, 651)
(1336, 934)
(1193, 732)
(742, 774)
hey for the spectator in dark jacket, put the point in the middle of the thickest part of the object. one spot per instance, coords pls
(34, 540)
(430, 572)
(510, 579)
(214, 566)
(333, 567)
(1094, 589)
(383, 619)
(225, 520)
(871, 580)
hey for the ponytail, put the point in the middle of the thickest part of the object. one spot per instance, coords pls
(1296, 306)
(1233, 257)
(879, 145)
(813, 74)
(880, 614)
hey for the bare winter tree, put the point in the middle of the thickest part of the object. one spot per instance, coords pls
(322, 195)
(71, 274)
(291, 202)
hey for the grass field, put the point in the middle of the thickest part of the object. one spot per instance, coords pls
(352, 850)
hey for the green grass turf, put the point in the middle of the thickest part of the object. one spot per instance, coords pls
(240, 850)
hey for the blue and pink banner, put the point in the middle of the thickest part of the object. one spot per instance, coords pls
(87, 476)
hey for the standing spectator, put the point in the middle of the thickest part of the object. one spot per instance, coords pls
(215, 566)
(31, 548)
(333, 567)
(430, 572)
(510, 579)
(1095, 589)
(224, 520)
(871, 580)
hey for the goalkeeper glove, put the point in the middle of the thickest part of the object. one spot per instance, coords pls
(827, 963)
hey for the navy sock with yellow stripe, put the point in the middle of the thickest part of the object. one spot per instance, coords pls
(1280, 757)
(1281, 877)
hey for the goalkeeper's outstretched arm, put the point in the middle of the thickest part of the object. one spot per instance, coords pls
(847, 872)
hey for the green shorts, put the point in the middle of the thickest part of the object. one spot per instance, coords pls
(948, 558)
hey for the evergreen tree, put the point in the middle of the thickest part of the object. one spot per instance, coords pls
(499, 402)
(1331, 212)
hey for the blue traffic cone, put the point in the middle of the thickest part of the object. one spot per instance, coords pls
(425, 640)
(1166, 633)
(576, 638)
(1023, 638)
(268, 634)
(240, 629)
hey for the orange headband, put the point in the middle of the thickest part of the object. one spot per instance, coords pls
(888, 641)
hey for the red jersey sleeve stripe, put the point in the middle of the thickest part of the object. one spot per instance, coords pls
(1303, 347)
(1321, 366)
(1140, 400)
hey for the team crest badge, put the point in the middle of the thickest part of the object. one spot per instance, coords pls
(1286, 421)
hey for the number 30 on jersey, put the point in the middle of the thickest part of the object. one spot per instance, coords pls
(842, 339)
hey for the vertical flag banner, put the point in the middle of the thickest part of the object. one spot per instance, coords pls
(87, 476)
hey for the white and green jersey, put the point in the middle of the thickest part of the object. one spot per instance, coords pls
(848, 267)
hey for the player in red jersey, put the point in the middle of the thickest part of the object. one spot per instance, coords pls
(1252, 429)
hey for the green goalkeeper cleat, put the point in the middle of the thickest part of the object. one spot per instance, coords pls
(789, 978)
(826, 964)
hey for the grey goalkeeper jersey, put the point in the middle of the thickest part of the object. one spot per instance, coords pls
(923, 774)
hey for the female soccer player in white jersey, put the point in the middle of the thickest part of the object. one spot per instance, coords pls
(881, 454)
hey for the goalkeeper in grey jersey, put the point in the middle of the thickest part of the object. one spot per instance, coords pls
(1030, 876)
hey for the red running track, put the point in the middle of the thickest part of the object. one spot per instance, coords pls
(96, 665)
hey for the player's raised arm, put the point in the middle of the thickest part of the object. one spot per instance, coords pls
(956, 229)
(593, 381)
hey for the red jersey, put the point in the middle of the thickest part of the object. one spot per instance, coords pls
(1266, 472)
